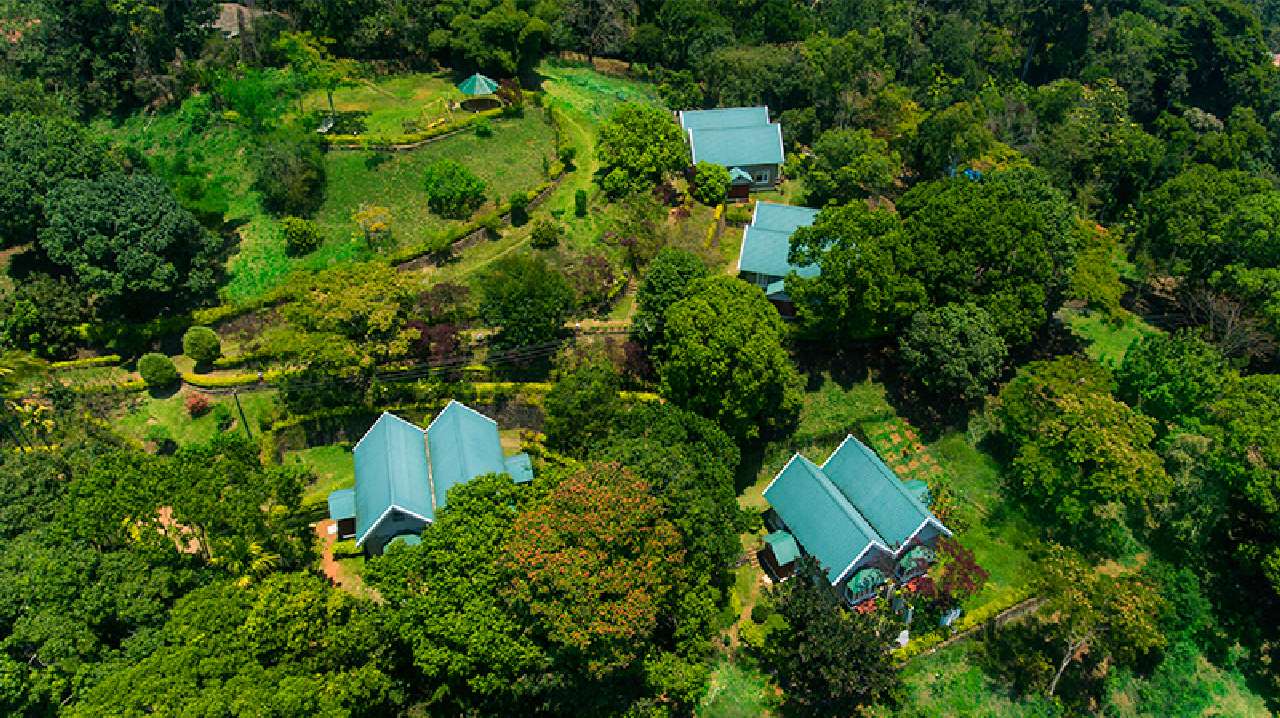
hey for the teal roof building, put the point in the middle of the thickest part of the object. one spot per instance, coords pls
(404, 473)
(766, 244)
(740, 139)
(851, 514)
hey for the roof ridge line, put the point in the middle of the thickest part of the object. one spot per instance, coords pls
(843, 501)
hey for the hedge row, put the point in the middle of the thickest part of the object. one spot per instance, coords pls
(362, 142)
(205, 381)
(103, 360)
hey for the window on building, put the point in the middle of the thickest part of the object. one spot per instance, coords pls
(762, 176)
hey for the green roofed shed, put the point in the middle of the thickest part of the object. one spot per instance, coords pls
(520, 468)
(478, 84)
(784, 547)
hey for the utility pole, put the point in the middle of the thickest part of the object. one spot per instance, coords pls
(244, 422)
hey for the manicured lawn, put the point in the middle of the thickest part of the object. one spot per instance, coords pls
(391, 101)
(170, 413)
(513, 159)
(333, 467)
(737, 692)
(1106, 342)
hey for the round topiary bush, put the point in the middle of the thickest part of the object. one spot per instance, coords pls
(301, 236)
(202, 345)
(546, 234)
(157, 369)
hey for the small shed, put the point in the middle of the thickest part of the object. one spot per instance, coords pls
(779, 554)
(342, 509)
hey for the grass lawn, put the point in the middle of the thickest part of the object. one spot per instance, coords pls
(170, 413)
(735, 691)
(995, 529)
(509, 161)
(951, 683)
(831, 411)
(333, 467)
(1106, 342)
(391, 101)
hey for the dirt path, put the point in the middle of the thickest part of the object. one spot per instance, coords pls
(334, 571)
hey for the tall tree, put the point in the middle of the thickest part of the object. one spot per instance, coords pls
(598, 27)
(526, 299)
(36, 155)
(829, 661)
(666, 282)
(126, 239)
(639, 147)
(722, 357)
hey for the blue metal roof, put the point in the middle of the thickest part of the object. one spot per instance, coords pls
(823, 521)
(724, 117)
(784, 547)
(766, 242)
(342, 504)
(782, 217)
(881, 498)
(837, 510)
(463, 444)
(391, 470)
(737, 146)
(520, 467)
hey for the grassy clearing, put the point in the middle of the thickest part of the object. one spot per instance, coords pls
(1106, 342)
(831, 411)
(735, 691)
(333, 466)
(169, 413)
(513, 159)
(950, 683)
(391, 102)
(997, 531)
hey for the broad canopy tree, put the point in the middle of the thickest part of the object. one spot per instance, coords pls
(1003, 242)
(639, 147)
(127, 240)
(721, 357)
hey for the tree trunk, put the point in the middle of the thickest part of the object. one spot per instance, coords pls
(1066, 661)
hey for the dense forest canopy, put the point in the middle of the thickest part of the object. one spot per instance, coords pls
(1045, 262)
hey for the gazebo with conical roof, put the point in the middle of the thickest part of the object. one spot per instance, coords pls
(478, 85)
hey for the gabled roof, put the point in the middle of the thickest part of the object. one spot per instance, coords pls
(737, 146)
(766, 242)
(824, 522)
(847, 506)
(462, 444)
(880, 496)
(723, 117)
(391, 471)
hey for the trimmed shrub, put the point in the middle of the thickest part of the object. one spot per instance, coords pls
(567, 154)
(546, 234)
(580, 203)
(301, 236)
(519, 209)
(202, 345)
(222, 417)
(197, 404)
(157, 370)
(484, 128)
(452, 190)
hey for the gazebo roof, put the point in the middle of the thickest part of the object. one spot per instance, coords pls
(478, 84)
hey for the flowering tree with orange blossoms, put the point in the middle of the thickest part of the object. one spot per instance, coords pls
(592, 564)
